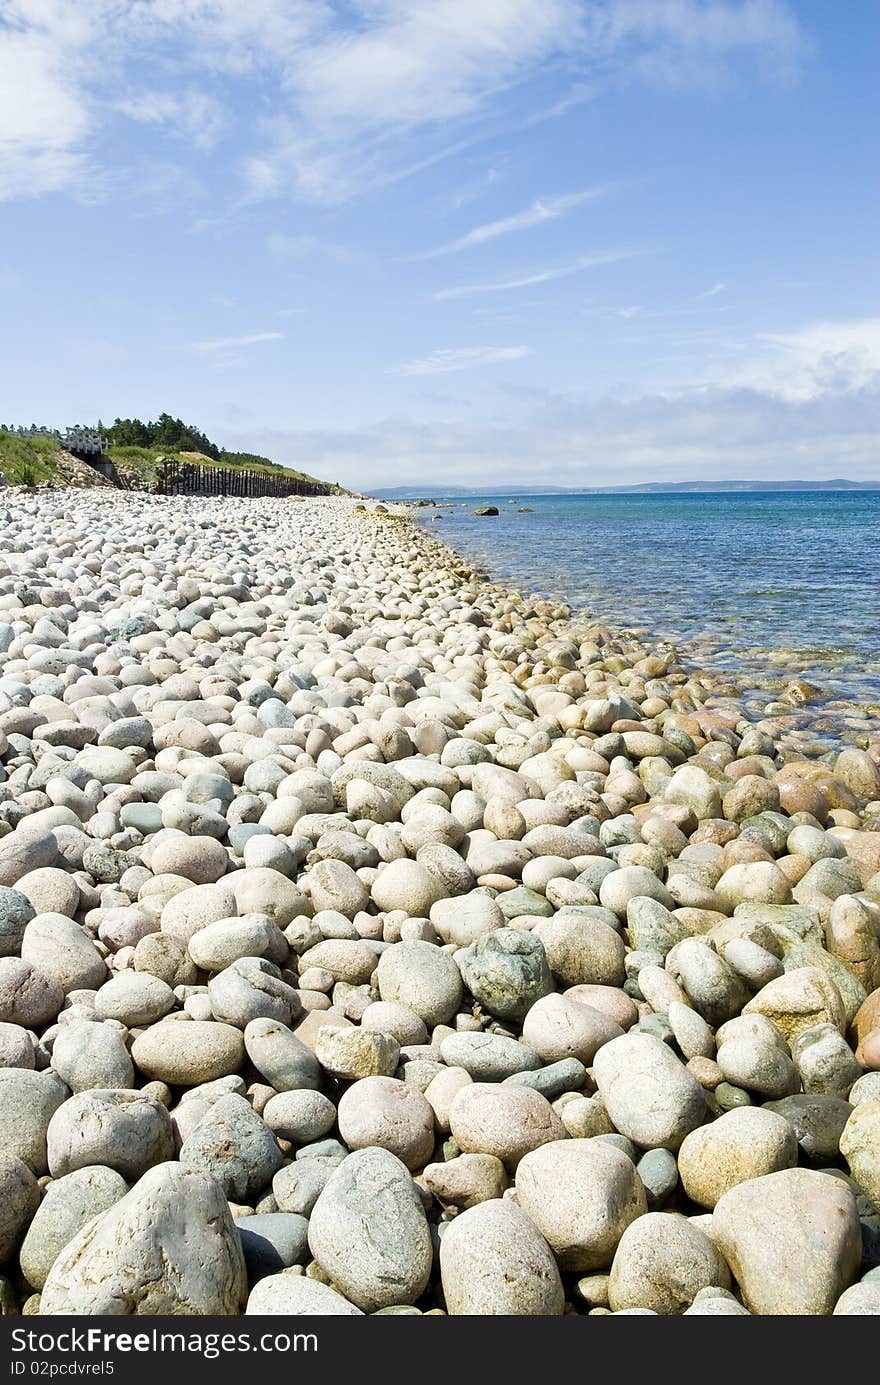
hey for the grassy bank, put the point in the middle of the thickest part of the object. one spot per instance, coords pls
(26, 461)
(34, 458)
(143, 462)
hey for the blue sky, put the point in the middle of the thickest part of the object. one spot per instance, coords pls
(407, 241)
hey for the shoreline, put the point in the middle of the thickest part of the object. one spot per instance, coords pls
(435, 955)
(766, 681)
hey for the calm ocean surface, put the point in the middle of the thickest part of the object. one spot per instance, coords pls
(768, 587)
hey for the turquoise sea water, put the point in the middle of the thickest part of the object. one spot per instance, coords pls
(766, 587)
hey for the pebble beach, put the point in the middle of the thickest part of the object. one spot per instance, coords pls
(376, 939)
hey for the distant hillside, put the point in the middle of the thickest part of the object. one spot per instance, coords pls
(646, 488)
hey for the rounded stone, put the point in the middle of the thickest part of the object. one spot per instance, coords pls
(692, 1034)
(741, 1144)
(495, 1263)
(799, 1000)
(262, 890)
(793, 1217)
(224, 941)
(50, 891)
(506, 971)
(24, 850)
(251, 989)
(106, 764)
(356, 1053)
(280, 1057)
(758, 1065)
(16, 912)
(27, 995)
(62, 950)
(650, 1096)
(713, 988)
(233, 1144)
(466, 1180)
(300, 1116)
(753, 882)
(608, 1000)
(630, 882)
(294, 1296)
(68, 1203)
(505, 1120)
(662, 1262)
(825, 1061)
(581, 1195)
(441, 1091)
(16, 1047)
(124, 1130)
(423, 978)
(369, 1234)
(272, 1241)
(488, 1057)
(867, 1088)
(334, 885)
(464, 919)
(202, 860)
(346, 959)
(390, 1114)
(860, 1300)
(860, 1146)
(168, 1246)
(86, 1054)
(200, 1051)
(408, 886)
(388, 1017)
(134, 998)
(193, 908)
(817, 1122)
(28, 1100)
(19, 1197)
(582, 950)
(559, 1027)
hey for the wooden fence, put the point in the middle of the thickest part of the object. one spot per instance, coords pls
(191, 478)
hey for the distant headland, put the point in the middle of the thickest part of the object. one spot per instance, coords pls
(645, 488)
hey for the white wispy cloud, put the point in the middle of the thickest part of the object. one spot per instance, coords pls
(232, 343)
(194, 115)
(462, 358)
(543, 276)
(542, 209)
(578, 94)
(714, 291)
(359, 94)
(44, 121)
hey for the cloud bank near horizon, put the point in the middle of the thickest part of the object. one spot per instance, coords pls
(806, 406)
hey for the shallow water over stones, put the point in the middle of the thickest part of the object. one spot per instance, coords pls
(768, 590)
